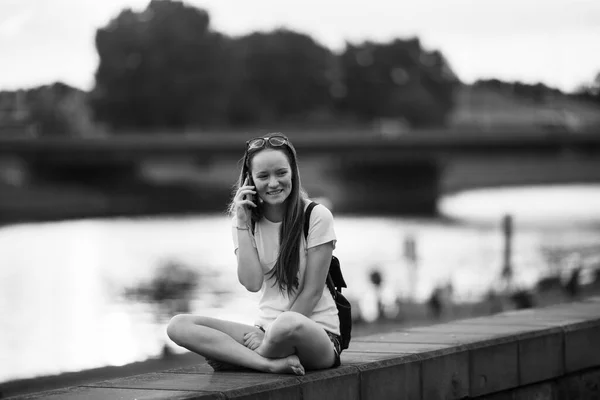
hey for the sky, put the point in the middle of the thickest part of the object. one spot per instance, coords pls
(556, 42)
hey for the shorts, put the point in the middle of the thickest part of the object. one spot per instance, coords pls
(337, 347)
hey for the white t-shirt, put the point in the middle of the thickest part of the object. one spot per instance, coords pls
(272, 301)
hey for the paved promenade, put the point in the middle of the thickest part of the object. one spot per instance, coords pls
(546, 353)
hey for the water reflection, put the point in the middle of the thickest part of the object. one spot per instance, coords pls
(70, 291)
(550, 205)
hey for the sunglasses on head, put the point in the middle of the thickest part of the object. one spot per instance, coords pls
(260, 142)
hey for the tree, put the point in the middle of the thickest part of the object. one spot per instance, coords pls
(59, 110)
(590, 90)
(162, 67)
(396, 80)
(279, 75)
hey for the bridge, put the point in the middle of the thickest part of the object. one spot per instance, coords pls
(421, 144)
(357, 171)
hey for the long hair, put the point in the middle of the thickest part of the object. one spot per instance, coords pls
(287, 265)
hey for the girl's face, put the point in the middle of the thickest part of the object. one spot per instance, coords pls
(272, 175)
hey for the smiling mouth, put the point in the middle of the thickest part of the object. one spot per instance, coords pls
(275, 192)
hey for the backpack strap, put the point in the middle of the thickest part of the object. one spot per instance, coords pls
(307, 217)
(329, 280)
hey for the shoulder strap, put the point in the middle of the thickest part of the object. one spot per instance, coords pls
(307, 217)
(329, 280)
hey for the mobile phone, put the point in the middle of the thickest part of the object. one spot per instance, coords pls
(250, 183)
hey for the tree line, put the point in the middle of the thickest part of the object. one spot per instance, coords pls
(166, 67)
(540, 93)
(590, 90)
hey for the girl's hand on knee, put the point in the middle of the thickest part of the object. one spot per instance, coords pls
(253, 340)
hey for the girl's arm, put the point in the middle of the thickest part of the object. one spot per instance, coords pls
(317, 266)
(249, 271)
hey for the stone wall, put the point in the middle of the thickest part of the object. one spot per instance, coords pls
(547, 353)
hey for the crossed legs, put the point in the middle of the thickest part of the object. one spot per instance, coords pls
(291, 343)
(294, 333)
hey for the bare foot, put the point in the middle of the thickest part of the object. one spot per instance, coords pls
(288, 365)
(223, 366)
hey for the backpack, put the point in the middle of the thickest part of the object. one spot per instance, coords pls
(335, 282)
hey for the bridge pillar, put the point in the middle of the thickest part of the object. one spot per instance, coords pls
(388, 187)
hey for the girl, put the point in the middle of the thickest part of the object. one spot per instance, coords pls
(297, 326)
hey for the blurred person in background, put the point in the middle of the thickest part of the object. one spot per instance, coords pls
(297, 327)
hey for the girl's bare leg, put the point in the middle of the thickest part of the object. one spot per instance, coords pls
(223, 341)
(294, 333)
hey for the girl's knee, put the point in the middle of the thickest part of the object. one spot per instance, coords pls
(287, 324)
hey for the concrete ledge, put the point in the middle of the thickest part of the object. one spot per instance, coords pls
(551, 352)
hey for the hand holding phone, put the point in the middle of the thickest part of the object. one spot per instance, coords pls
(245, 201)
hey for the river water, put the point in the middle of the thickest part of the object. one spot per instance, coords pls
(64, 285)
